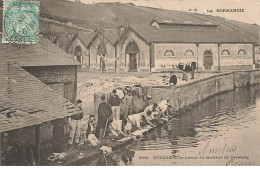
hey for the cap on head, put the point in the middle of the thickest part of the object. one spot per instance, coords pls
(168, 98)
(78, 101)
(91, 116)
(103, 97)
(114, 91)
(148, 113)
(124, 121)
(149, 97)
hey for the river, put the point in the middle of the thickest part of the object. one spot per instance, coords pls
(223, 130)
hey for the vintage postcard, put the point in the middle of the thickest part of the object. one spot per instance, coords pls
(130, 83)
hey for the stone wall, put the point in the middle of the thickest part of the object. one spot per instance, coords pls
(246, 78)
(196, 91)
(62, 79)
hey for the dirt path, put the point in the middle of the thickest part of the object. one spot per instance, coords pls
(90, 83)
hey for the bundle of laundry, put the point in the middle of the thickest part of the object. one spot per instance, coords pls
(106, 150)
(57, 156)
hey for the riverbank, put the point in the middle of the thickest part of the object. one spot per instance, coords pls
(183, 96)
(201, 89)
(225, 120)
(81, 154)
(194, 91)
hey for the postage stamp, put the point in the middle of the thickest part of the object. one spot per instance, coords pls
(21, 21)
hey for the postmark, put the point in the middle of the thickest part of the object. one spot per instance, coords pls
(21, 22)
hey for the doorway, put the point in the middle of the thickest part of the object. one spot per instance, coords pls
(132, 50)
(133, 62)
(208, 59)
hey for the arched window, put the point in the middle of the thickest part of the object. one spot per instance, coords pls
(169, 53)
(242, 52)
(208, 52)
(189, 52)
(132, 48)
(225, 52)
(78, 53)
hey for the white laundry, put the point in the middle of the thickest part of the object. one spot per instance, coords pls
(57, 156)
(124, 139)
(106, 150)
(120, 93)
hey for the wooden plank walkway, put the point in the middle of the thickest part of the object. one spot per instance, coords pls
(84, 153)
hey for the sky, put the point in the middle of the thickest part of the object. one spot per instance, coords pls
(251, 8)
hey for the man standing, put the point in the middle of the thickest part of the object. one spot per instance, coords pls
(129, 104)
(75, 125)
(173, 79)
(185, 76)
(114, 102)
(193, 67)
(102, 63)
(104, 111)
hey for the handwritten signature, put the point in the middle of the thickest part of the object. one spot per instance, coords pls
(233, 162)
(211, 149)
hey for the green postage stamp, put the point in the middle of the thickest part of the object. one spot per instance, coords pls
(21, 21)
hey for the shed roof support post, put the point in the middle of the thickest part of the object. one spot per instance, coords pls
(37, 144)
(0, 149)
(197, 45)
(253, 53)
(218, 57)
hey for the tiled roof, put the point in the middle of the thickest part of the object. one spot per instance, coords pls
(185, 21)
(251, 31)
(112, 35)
(86, 38)
(27, 100)
(221, 35)
(44, 53)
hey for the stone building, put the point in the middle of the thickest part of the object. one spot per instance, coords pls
(48, 63)
(80, 49)
(38, 89)
(89, 47)
(162, 49)
(212, 43)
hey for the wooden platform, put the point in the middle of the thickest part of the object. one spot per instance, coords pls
(83, 153)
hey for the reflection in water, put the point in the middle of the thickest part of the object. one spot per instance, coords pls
(119, 157)
(227, 120)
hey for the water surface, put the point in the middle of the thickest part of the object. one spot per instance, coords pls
(224, 130)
